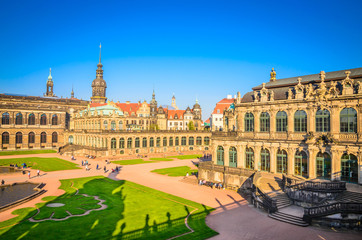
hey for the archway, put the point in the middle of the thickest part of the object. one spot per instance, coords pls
(349, 168)
(323, 167)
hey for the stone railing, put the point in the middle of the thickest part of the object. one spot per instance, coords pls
(224, 134)
(349, 137)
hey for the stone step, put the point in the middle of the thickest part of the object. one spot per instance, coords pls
(283, 217)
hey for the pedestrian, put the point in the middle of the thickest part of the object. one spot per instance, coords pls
(2, 182)
(82, 163)
(29, 174)
(38, 172)
(105, 169)
(86, 167)
(97, 166)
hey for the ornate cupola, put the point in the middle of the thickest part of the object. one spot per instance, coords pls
(153, 105)
(273, 75)
(72, 93)
(173, 102)
(197, 110)
(50, 85)
(99, 85)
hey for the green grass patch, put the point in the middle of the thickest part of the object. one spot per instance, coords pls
(161, 159)
(43, 164)
(132, 162)
(194, 156)
(134, 212)
(24, 152)
(175, 171)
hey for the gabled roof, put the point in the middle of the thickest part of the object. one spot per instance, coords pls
(172, 113)
(129, 107)
(222, 105)
(97, 104)
(105, 109)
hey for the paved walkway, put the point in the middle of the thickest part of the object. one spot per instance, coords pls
(233, 217)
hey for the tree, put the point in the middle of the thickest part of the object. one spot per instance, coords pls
(191, 125)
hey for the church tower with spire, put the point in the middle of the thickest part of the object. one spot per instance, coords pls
(173, 102)
(50, 85)
(153, 105)
(99, 85)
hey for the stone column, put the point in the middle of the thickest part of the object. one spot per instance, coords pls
(311, 119)
(273, 122)
(256, 121)
(336, 164)
(257, 158)
(313, 151)
(226, 155)
(290, 130)
(291, 152)
(359, 124)
(241, 121)
(335, 110)
(241, 155)
(273, 159)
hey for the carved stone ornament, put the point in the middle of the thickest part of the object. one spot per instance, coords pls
(359, 87)
(263, 94)
(299, 89)
(271, 95)
(255, 96)
(347, 84)
(309, 92)
(290, 94)
(333, 90)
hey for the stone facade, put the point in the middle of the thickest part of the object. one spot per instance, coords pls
(308, 126)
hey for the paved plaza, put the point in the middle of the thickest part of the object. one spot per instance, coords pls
(233, 218)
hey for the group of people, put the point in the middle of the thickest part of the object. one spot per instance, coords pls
(211, 184)
(90, 156)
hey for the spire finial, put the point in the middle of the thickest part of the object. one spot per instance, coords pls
(273, 75)
(72, 93)
(50, 74)
(100, 52)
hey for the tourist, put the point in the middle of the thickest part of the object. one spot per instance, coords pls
(86, 162)
(97, 166)
(29, 174)
(2, 182)
(38, 173)
(82, 163)
(105, 169)
(86, 167)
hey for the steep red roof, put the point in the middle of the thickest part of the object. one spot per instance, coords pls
(223, 105)
(97, 104)
(208, 120)
(226, 101)
(172, 113)
(129, 107)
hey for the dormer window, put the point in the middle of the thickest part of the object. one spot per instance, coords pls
(218, 111)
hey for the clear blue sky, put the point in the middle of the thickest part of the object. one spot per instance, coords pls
(204, 49)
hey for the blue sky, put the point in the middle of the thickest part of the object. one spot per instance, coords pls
(203, 49)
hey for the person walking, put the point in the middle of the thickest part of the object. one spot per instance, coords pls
(97, 166)
(38, 173)
(29, 174)
(86, 167)
(105, 169)
(82, 163)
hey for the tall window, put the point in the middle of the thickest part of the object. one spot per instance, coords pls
(113, 125)
(105, 124)
(31, 137)
(5, 119)
(129, 143)
(264, 122)
(220, 155)
(282, 121)
(54, 119)
(265, 160)
(121, 143)
(191, 141)
(19, 137)
(206, 141)
(349, 168)
(183, 141)
(19, 119)
(113, 143)
(31, 119)
(137, 142)
(198, 141)
(322, 121)
(43, 137)
(249, 122)
(282, 161)
(249, 158)
(5, 138)
(301, 164)
(176, 141)
(144, 142)
(300, 121)
(233, 157)
(323, 162)
(348, 120)
(152, 142)
(54, 137)
(43, 119)
(170, 141)
(164, 142)
(158, 142)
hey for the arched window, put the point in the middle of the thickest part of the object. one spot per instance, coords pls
(5, 138)
(5, 119)
(54, 137)
(31, 137)
(300, 121)
(54, 119)
(105, 124)
(129, 143)
(322, 120)
(164, 142)
(323, 162)
(249, 158)
(206, 141)
(170, 141)
(349, 168)
(233, 157)
(19, 137)
(120, 125)
(249, 122)
(19, 119)
(43, 119)
(121, 143)
(31, 119)
(265, 160)
(301, 164)
(183, 141)
(348, 120)
(113, 143)
(198, 141)
(152, 142)
(282, 161)
(176, 141)
(43, 137)
(191, 141)
(137, 142)
(113, 125)
(220, 156)
(144, 142)
(158, 142)
(264, 122)
(70, 139)
(282, 121)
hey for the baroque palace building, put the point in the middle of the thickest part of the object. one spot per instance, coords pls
(309, 126)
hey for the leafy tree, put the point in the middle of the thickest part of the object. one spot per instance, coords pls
(191, 125)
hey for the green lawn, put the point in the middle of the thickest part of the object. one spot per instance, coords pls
(43, 164)
(134, 212)
(175, 171)
(194, 156)
(161, 159)
(20, 152)
(131, 162)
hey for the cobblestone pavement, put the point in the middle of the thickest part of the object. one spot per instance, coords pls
(233, 217)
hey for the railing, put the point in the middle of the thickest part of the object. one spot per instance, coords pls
(225, 169)
(137, 131)
(328, 187)
(224, 134)
(259, 197)
(330, 209)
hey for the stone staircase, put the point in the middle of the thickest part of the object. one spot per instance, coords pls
(281, 198)
(284, 217)
(349, 196)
